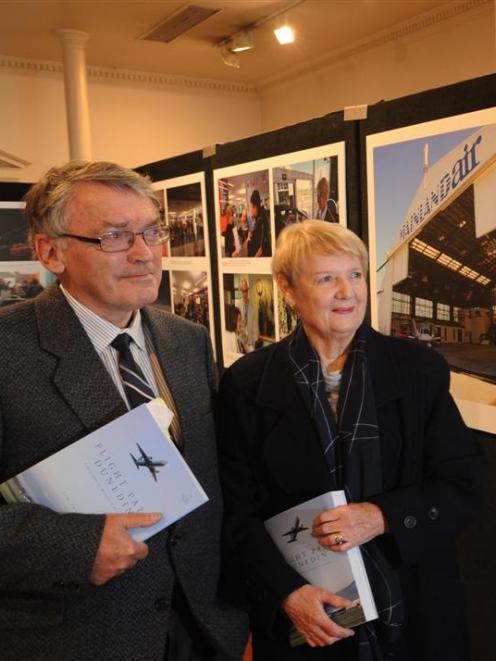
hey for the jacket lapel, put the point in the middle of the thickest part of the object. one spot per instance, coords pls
(80, 376)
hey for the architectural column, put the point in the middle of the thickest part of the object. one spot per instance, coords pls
(76, 93)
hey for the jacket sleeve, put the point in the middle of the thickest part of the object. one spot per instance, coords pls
(45, 553)
(254, 562)
(443, 465)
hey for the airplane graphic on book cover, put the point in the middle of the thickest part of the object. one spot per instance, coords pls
(294, 531)
(145, 461)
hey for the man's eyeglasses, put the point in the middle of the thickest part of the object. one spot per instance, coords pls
(120, 240)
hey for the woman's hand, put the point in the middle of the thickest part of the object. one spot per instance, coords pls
(305, 608)
(344, 527)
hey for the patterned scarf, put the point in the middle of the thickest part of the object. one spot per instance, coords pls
(351, 445)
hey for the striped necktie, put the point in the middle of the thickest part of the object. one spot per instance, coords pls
(136, 387)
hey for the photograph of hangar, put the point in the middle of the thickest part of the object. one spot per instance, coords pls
(438, 284)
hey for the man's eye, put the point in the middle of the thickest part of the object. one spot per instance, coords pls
(113, 236)
(152, 231)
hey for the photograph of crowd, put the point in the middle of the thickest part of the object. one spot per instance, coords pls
(14, 244)
(185, 220)
(287, 316)
(248, 313)
(244, 215)
(190, 296)
(306, 190)
(21, 281)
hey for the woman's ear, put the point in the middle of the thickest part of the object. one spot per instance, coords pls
(287, 290)
(49, 253)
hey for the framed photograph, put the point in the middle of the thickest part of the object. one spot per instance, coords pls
(14, 245)
(186, 288)
(272, 192)
(432, 239)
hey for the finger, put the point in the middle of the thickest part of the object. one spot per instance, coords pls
(140, 520)
(335, 600)
(141, 551)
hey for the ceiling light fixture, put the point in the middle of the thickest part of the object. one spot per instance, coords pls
(285, 34)
(240, 42)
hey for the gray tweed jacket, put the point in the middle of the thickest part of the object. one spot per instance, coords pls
(53, 390)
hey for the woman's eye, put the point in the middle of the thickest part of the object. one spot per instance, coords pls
(325, 279)
(356, 275)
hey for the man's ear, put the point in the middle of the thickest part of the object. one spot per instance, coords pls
(49, 253)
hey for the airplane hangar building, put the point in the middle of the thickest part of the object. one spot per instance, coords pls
(442, 272)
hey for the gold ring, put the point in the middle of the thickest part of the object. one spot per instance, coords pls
(338, 539)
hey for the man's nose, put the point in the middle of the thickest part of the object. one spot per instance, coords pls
(140, 251)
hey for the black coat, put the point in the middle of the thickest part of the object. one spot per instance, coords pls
(271, 459)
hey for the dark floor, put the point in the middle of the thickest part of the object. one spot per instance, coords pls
(477, 359)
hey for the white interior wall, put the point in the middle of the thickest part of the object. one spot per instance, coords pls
(130, 124)
(135, 124)
(450, 51)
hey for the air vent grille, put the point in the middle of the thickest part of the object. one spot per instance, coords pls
(179, 23)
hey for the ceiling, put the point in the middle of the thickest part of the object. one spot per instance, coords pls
(27, 30)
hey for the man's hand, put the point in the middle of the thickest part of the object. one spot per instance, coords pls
(118, 551)
(305, 608)
(344, 527)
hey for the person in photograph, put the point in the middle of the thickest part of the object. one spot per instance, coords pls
(234, 331)
(249, 317)
(259, 239)
(229, 239)
(337, 405)
(326, 208)
(78, 586)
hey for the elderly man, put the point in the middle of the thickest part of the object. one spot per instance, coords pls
(77, 586)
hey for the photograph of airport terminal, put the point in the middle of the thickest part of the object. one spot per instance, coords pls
(433, 254)
(306, 190)
(164, 294)
(244, 215)
(14, 244)
(185, 220)
(248, 313)
(190, 296)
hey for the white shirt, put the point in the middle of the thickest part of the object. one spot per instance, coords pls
(102, 332)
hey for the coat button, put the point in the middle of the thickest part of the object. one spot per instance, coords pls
(161, 604)
(433, 513)
(174, 540)
(410, 521)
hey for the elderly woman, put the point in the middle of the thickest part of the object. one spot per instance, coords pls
(337, 405)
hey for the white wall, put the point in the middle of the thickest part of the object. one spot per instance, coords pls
(449, 51)
(130, 124)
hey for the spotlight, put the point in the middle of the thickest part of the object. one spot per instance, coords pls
(285, 35)
(240, 42)
(229, 58)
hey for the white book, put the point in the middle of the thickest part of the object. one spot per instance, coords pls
(129, 465)
(341, 573)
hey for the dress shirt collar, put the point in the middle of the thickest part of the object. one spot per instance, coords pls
(102, 332)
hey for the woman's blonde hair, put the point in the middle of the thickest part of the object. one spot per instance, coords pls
(299, 242)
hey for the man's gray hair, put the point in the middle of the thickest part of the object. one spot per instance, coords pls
(48, 200)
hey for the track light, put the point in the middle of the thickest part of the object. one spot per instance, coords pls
(229, 58)
(240, 42)
(285, 35)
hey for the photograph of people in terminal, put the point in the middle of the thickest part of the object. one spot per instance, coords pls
(307, 189)
(432, 232)
(190, 296)
(243, 215)
(248, 314)
(185, 220)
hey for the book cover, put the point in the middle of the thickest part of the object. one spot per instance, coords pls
(128, 465)
(341, 573)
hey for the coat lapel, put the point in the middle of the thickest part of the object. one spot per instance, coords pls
(80, 376)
